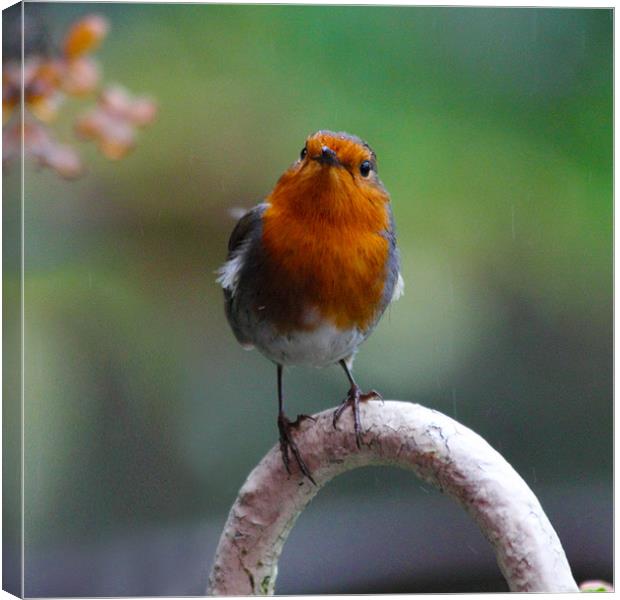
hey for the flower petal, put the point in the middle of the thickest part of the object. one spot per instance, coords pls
(81, 77)
(85, 35)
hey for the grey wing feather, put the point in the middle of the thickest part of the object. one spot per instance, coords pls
(245, 226)
(393, 281)
(240, 244)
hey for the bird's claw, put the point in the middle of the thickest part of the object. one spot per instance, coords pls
(353, 399)
(300, 419)
(287, 441)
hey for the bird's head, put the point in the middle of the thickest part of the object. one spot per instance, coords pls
(335, 176)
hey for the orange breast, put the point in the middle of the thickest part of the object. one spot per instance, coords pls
(323, 268)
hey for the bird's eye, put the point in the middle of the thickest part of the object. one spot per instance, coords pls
(365, 168)
(303, 153)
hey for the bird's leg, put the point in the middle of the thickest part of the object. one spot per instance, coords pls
(286, 437)
(353, 399)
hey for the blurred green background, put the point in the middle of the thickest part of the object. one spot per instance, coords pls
(493, 130)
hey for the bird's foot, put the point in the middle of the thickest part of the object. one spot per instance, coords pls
(287, 442)
(353, 399)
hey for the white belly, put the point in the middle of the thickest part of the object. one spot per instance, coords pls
(320, 347)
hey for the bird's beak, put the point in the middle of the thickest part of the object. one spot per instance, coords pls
(327, 157)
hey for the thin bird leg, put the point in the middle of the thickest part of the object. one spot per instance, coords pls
(286, 437)
(353, 399)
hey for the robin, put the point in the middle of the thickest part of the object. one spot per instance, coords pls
(311, 270)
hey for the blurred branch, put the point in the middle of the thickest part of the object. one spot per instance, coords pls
(438, 449)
